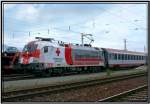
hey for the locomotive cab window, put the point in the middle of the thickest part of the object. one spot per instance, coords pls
(45, 49)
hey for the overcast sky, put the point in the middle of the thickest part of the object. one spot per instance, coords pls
(109, 24)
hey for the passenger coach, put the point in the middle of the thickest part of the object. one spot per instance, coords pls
(123, 58)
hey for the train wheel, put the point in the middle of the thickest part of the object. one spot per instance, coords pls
(60, 71)
(78, 70)
(48, 72)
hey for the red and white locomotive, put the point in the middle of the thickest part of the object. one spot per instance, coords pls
(50, 56)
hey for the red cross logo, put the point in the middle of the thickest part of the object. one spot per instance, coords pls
(57, 51)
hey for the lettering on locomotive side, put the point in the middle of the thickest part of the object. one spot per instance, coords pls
(58, 59)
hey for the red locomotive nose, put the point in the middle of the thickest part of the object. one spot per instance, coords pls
(26, 56)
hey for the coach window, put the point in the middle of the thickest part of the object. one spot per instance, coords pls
(125, 56)
(109, 55)
(131, 57)
(128, 57)
(139, 57)
(115, 56)
(112, 56)
(142, 57)
(122, 57)
(45, 49)
(134, 57)
(118, 56)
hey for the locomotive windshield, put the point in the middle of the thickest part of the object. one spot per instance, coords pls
(30, 48)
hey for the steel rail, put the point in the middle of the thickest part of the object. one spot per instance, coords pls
(10, 96)
(17, 77)
(26, 76)
(123, 94)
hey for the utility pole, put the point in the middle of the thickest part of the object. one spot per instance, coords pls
(48, 31)
(13, 35)
(93, 23)
(82, 38)
(29, 34)
(69, 28)
(125, 47)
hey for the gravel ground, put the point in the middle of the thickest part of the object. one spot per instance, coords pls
(92, 93)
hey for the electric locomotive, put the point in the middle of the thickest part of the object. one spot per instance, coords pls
(48, 56)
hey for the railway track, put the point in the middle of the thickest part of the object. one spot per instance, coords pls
(139, 94)
(32, 76)
(17, 77)
(13, 77)
(16, 95)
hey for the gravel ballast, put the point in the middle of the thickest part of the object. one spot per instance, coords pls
(91, 93)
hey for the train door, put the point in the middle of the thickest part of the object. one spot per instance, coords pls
(105, 58)
(46, 54)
